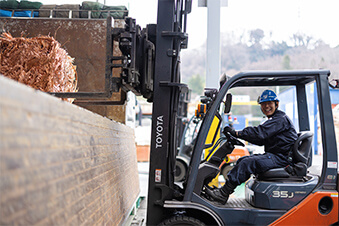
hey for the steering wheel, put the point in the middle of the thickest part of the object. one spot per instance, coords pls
(233, 140)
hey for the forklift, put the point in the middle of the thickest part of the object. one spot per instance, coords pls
(278, 197)
(150, 64)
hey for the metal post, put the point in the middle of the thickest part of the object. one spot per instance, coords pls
(161, 114)
(213, 60)
(330, 158)
(213, 44)
(315, 116)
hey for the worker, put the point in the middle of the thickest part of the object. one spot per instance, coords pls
(277, 134)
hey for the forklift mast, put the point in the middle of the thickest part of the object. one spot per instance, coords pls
(170, 39)
(150, 67)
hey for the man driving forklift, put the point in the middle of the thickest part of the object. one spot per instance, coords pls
(277, 134)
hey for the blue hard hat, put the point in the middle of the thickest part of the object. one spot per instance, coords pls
(267, 95)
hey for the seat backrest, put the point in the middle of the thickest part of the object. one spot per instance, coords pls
(302, 147)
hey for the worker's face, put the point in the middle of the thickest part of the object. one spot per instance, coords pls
(269, 107)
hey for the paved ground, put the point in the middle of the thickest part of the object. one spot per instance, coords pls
(140, 218)
(143, 168)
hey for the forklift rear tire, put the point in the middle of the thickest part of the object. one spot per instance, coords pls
(180, 171)
(182, 220)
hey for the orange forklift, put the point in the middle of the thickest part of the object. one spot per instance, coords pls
(150, 65)
(281, 196)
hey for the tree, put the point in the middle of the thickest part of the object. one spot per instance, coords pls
(278, 48)
(301, 40)
(256, 51)
(286, 64)
(234, 56)
(256, 36)
(197, 83)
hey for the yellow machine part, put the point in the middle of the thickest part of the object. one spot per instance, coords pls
(212, 136)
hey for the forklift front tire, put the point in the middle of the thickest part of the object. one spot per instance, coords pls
(180, 171)
(182, 221)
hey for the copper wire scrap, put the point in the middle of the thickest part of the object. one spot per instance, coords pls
(39, 62)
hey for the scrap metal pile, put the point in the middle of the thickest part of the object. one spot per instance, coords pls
(39, 62)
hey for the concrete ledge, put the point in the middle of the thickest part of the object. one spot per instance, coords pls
(61, 164)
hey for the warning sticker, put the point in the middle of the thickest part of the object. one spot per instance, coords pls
(332, 165)
(334, 194)
(158, 175)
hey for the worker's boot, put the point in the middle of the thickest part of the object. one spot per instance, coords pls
(220, 194)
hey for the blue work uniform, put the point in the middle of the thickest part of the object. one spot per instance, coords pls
(278, 135)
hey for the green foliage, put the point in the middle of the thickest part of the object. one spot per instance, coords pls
(197, 83)
(9, 4)
(278, 48)
(256, 36)
(234, 56)
(256, 52)
(286, 64)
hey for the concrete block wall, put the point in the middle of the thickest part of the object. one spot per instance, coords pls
(61, 164)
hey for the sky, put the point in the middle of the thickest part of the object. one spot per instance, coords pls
(279, 19)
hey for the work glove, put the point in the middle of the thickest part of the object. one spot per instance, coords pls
(230, 130)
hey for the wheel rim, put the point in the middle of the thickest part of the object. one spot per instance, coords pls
(180, 171)
(225, 170)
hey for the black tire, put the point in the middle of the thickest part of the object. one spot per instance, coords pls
(182, 221)
(227, 168)
(180, 171)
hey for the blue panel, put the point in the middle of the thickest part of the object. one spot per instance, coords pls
(5, 13)
(288, 104)
(239, 124)
(22, 14)
(334, 94)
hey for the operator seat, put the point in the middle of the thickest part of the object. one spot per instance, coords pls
(283, 188)
(301, 152)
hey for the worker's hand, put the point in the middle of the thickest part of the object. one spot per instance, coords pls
(230, 130)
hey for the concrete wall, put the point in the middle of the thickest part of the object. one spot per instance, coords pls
(61, 164)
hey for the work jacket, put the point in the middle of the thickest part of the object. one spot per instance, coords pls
(277, 134)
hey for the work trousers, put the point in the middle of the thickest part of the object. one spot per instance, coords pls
(255, 164)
